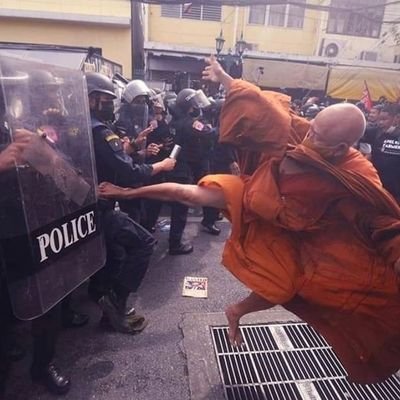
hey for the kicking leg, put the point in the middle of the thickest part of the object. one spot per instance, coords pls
(234, 312)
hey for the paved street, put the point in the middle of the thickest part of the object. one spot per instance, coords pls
(151, 365)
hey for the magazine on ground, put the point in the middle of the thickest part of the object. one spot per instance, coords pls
(195, 287)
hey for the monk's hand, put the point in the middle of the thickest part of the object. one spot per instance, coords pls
(213, 71)
(107, 190)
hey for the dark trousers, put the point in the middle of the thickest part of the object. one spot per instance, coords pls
(199, 170)
(45, 330)
(129, 248)
(5, 332)
(179, 213)
(134, 209)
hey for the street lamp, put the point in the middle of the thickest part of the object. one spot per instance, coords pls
(232, 63)
(219, 43)
(241, 45)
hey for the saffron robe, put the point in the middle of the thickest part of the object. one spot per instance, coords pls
(321, 242)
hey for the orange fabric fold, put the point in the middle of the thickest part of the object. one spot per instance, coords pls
(259, 124)
(321, 242)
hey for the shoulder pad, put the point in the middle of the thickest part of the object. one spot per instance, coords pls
(113, 141)
(111, 136)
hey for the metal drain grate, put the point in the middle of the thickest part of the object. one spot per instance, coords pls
(288, 361)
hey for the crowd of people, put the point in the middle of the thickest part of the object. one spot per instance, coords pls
(133, 137)
(313, 229)
(381, 140)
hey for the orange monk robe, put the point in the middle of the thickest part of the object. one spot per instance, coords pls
(321, 243)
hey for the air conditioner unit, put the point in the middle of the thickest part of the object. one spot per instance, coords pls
(331, 47)
(369, 55)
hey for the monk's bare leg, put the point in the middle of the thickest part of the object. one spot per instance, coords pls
(234, 312)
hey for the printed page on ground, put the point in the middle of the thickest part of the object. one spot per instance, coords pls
(195, 287)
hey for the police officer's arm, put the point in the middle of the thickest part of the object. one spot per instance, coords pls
(191, 195)
(109, 150)
(11, 155)
(167, 164)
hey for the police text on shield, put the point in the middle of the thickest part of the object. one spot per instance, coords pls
(66, 235)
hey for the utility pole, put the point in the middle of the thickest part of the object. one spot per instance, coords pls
(137, 41)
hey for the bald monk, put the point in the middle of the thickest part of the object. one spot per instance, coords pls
(312, 227)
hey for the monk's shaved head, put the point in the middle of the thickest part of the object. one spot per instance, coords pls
(340, 123)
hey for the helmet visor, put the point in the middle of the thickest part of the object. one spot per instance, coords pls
(200, 100)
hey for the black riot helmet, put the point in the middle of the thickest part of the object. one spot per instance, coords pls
(41, 77)
(45, 93)
(188, 98)
(99, 83)
(312, 111)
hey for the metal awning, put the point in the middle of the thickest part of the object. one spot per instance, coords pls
(285, 74)
(348, 82)
(242, 3)
(67, 59)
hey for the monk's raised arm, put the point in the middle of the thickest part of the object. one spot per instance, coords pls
(191, 195)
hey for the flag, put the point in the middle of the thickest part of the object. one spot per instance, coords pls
(187, 7)
(366, 98)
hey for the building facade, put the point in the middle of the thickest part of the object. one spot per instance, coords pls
(328, 46)
(102, 24)
(331, 46)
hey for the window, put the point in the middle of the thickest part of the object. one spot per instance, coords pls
(257, 14)
(277, 14)
(197, 12)
(193, 12)
(171, 10)
(363, 17)
(211, 13)
(282, 15)
(295, 17)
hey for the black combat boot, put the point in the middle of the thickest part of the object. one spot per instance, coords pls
(52, 378)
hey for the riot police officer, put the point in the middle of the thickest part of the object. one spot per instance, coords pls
(129, 246)
(132, 124)
(45, 327)
(133, 114)
(196, 137)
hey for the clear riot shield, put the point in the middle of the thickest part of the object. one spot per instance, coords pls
(50, 236)
(132, 119)
(140, 116)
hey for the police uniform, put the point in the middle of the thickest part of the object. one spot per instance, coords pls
(160, 135)
(196, 140)
(129, 246)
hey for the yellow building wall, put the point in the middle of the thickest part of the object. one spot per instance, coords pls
(283, 40)
(115, 42)
(189, 32)
(117, 8)
(194, 33)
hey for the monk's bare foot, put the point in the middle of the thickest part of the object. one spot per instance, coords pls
(233, 317)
